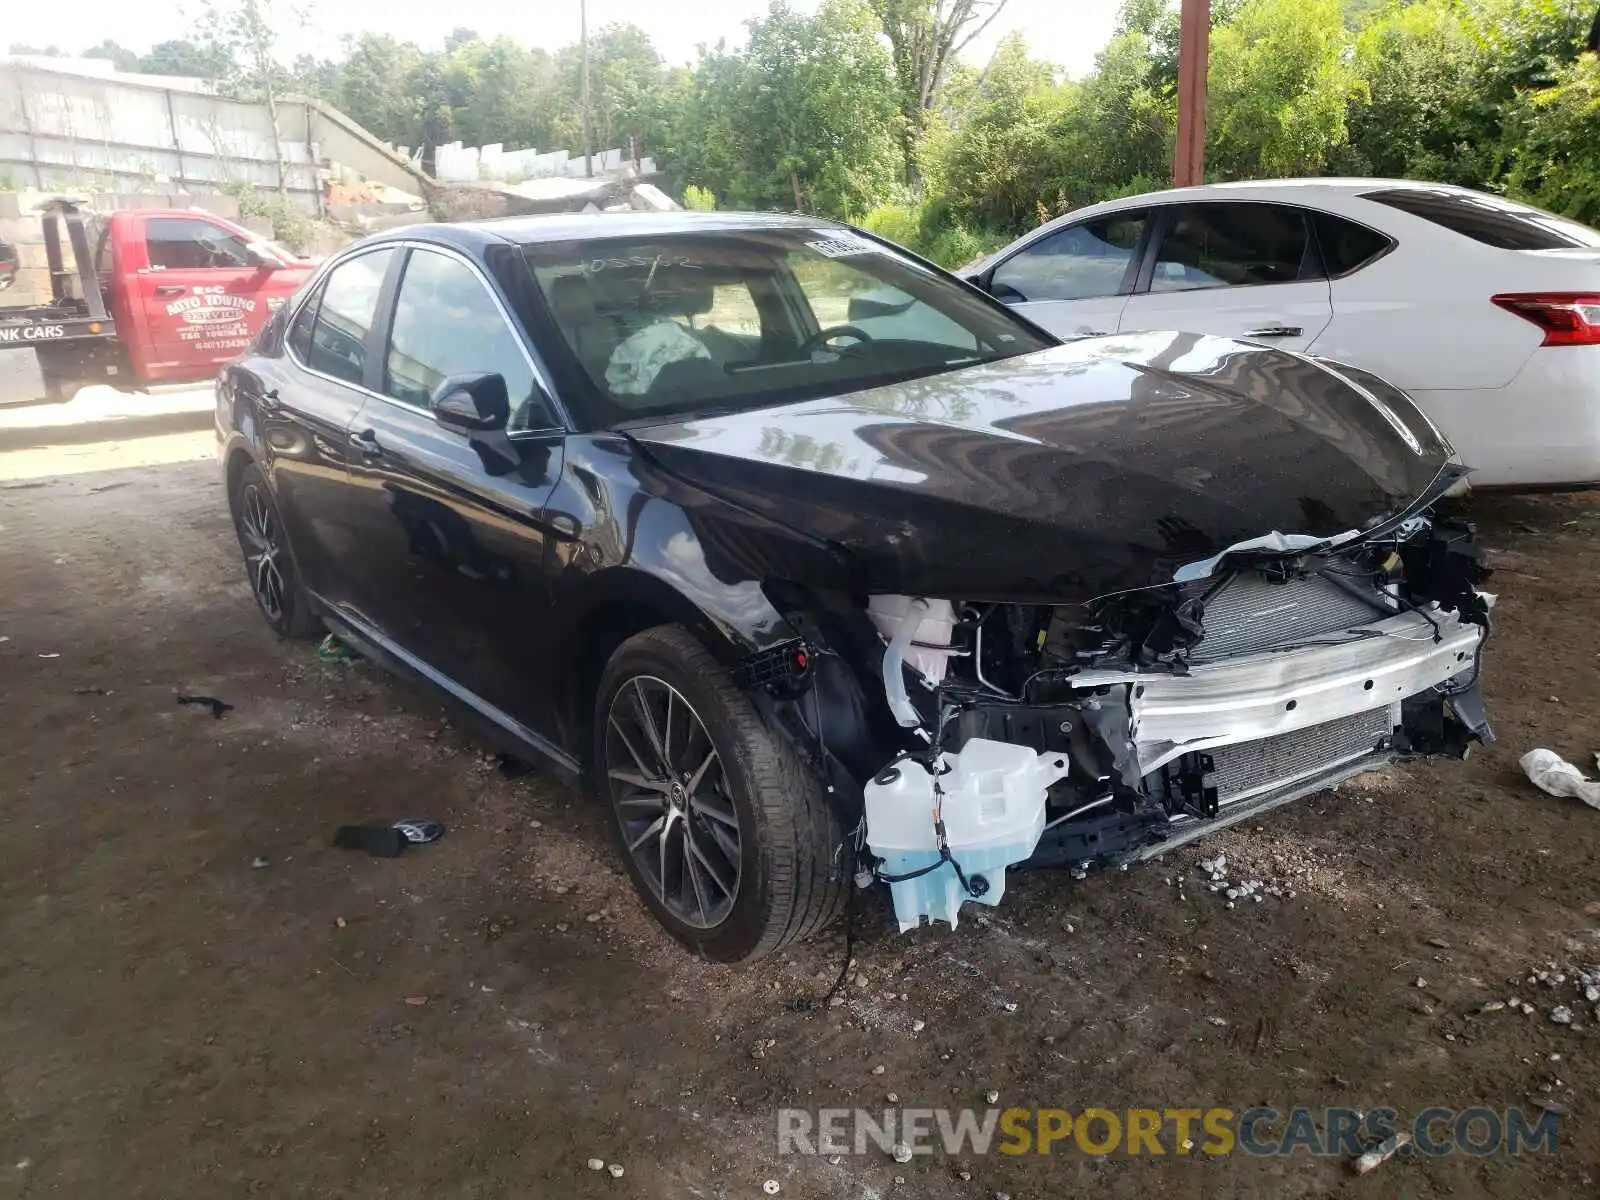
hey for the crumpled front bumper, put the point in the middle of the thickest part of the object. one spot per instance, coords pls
(1314, 714)
(1279, 691)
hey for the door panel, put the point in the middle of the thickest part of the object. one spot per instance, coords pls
(452, 561)
(1241, 270)
(310, 396)
(202, 296)
(1074, 281)
(452, 564)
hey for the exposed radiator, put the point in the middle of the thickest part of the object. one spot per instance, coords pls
(1245, 769)
(1251, 614)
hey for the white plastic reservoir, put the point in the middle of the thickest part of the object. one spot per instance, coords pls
(994, 797)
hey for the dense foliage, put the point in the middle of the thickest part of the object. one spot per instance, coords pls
(863, 110)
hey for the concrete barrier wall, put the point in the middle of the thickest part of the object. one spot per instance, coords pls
(61, 130)
(455, 163)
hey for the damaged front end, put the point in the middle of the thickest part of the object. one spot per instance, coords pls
(1111, 731)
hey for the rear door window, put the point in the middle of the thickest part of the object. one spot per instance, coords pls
(1347, 246)
(1488, 219)
(345, 316)
(1234, 245)
(1080, 262)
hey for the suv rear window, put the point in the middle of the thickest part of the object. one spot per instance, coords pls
(1488, 219)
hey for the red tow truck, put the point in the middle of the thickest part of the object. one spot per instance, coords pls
(145, 296)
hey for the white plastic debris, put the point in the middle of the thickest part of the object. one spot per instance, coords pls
(597, 1164)
(771, 1187)
(1380, 1154)
(1553, 774)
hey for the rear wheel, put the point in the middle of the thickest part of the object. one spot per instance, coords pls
(269, 565)
(724, 829)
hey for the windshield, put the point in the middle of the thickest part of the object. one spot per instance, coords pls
(728, 319)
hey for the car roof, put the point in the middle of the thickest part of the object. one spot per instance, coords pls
(1262, 189)
(559, 227)
(1287, 190)
(1312, 183)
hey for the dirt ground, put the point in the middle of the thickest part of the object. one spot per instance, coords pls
(481, 1017)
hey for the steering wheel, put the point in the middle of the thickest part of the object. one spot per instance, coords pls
(822, 337)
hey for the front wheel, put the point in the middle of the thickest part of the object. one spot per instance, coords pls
(724, 829)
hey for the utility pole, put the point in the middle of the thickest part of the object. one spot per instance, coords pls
(583, 100)
(1194, 56)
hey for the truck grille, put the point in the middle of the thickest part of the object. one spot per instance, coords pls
(1251, 614)
(1246, 768)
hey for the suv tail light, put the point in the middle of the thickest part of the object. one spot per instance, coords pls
(1567, 318)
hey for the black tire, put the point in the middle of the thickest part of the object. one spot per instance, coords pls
(285, 606)
(792, 877)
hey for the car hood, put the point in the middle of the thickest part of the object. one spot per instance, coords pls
(1105, 464)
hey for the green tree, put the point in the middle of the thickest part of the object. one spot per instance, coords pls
(1417, 114)
(994, 144)
(503, 93)
(626, 91)
(1554, 155)
(185, 57)
(246, 36)
(119, 56)
(374, 86)
(926, 38)
(1279, 89)
(804, 117)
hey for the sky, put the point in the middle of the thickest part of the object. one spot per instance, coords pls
(1067, 32)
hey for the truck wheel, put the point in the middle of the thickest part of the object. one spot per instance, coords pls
(59, 373)
(269, 564)
(723, 827)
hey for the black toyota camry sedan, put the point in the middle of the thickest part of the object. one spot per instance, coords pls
(818, 566)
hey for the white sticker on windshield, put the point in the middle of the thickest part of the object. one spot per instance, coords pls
(840, 245)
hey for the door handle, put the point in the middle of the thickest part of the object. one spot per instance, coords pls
(366, 442)
(170, 289)
(1274, 331)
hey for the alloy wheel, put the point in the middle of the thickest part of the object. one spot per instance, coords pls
(263, 550)
(673, 803)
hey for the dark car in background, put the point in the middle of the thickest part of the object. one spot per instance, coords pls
(808, 558)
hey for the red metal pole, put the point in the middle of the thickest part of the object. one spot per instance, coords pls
(1194, 53)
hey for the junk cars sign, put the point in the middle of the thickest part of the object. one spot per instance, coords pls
(32, 333)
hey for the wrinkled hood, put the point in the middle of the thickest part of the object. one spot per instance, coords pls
(1100, 465)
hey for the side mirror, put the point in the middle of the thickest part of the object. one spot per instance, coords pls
(475, 403)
